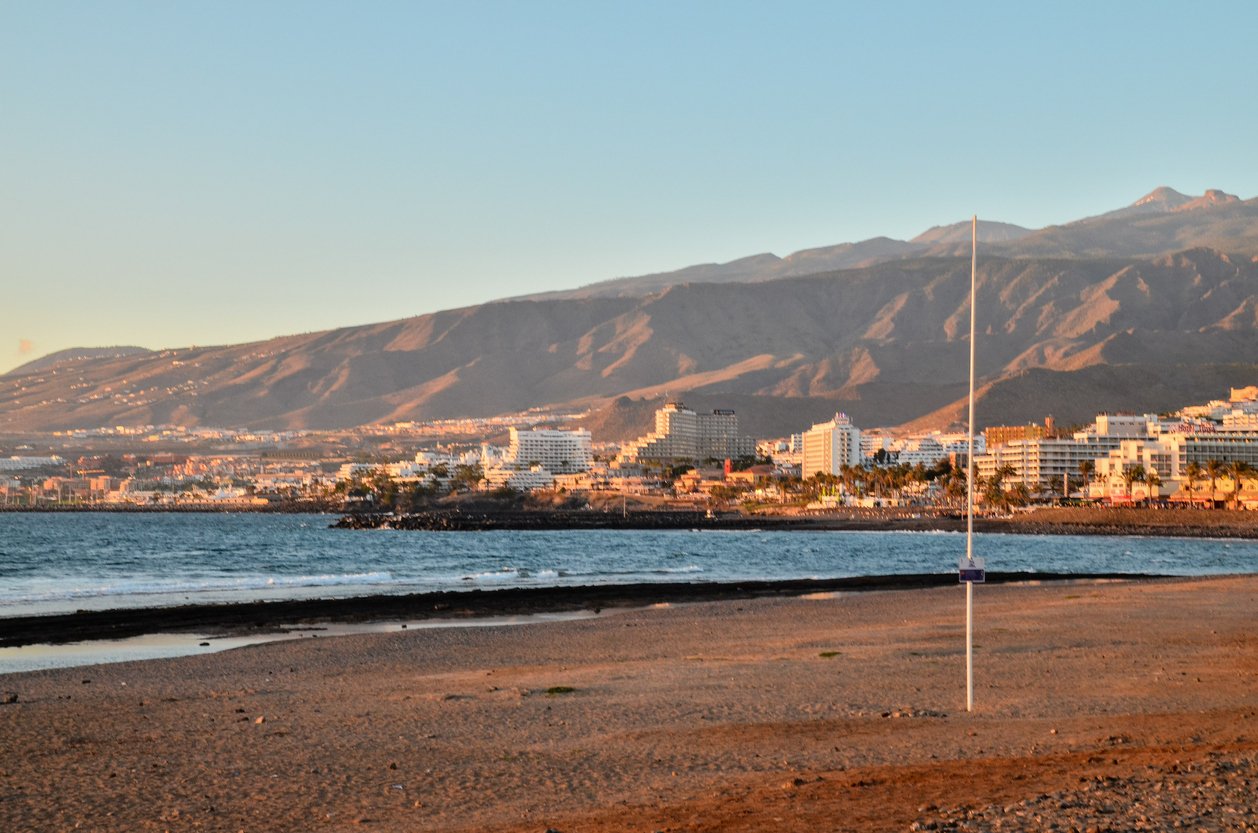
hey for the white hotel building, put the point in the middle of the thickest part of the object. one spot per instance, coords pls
(534, 457)
(828, 446)
(559, 452)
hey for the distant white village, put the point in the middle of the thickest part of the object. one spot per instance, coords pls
(1203, 454)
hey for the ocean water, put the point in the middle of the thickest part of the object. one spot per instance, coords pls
(53, 563)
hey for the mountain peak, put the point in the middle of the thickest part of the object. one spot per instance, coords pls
(1163, 198)
(1166, 199)
(989, 231)
(1211, 198)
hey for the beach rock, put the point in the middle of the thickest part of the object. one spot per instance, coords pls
(1177, 796)
(8, 697)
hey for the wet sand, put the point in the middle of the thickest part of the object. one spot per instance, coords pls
(1097, 702)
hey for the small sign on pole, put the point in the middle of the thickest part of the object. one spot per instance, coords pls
(971, 571)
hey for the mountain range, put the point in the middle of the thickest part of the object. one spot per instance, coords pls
(1143, 308)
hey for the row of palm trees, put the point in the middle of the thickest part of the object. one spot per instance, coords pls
(1236, 471)
(997, 491)
(949, 480)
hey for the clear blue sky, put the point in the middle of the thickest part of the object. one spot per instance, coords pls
(202, 173)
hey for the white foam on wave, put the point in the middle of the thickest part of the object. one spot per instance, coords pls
(499, 575)
(156, 587)
(509, 574)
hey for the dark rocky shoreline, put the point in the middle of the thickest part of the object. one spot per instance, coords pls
(478, 521)
(1182, 523)
(1089, 520)
(278, 616)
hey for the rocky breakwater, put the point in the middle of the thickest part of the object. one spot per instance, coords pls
(469, 521)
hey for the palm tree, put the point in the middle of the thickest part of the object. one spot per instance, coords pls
(1238, 470)
(1213, 470)
(1192, 473)
(1132, 474)
(953, 485)
(1019, 494)
(1087, 468)
(994, 490)
(1153, 480)
(1004, 472)
(993, 494)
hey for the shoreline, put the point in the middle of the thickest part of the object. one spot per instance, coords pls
(268, 617)
(1173, 523)
(1089, 520)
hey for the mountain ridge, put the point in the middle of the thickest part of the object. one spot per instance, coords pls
(887, 343)
(1157, 234)
(885, 340)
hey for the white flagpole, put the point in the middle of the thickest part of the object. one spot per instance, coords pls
(969, 485)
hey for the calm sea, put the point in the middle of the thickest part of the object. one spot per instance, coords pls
(64, 562)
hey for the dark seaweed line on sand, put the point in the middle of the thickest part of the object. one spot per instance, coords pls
(276, 616)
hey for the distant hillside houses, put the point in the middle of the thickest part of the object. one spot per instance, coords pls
(26, 463)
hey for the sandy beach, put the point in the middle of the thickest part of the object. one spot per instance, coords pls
(1106, 705)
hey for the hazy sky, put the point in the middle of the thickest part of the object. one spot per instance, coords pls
(203, 173)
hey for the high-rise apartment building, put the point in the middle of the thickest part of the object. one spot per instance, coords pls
(828, 446)
(683, 434)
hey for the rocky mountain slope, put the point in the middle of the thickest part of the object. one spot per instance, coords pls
(886, 342)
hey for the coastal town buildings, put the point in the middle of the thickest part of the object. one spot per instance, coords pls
(1118, 458)
(520, 480)
(997, 435)
(1169, 454)
(1241, 403)
(1052, 464)
(1125, 457)
(684, 435)
(933, 448)
(787, 454)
